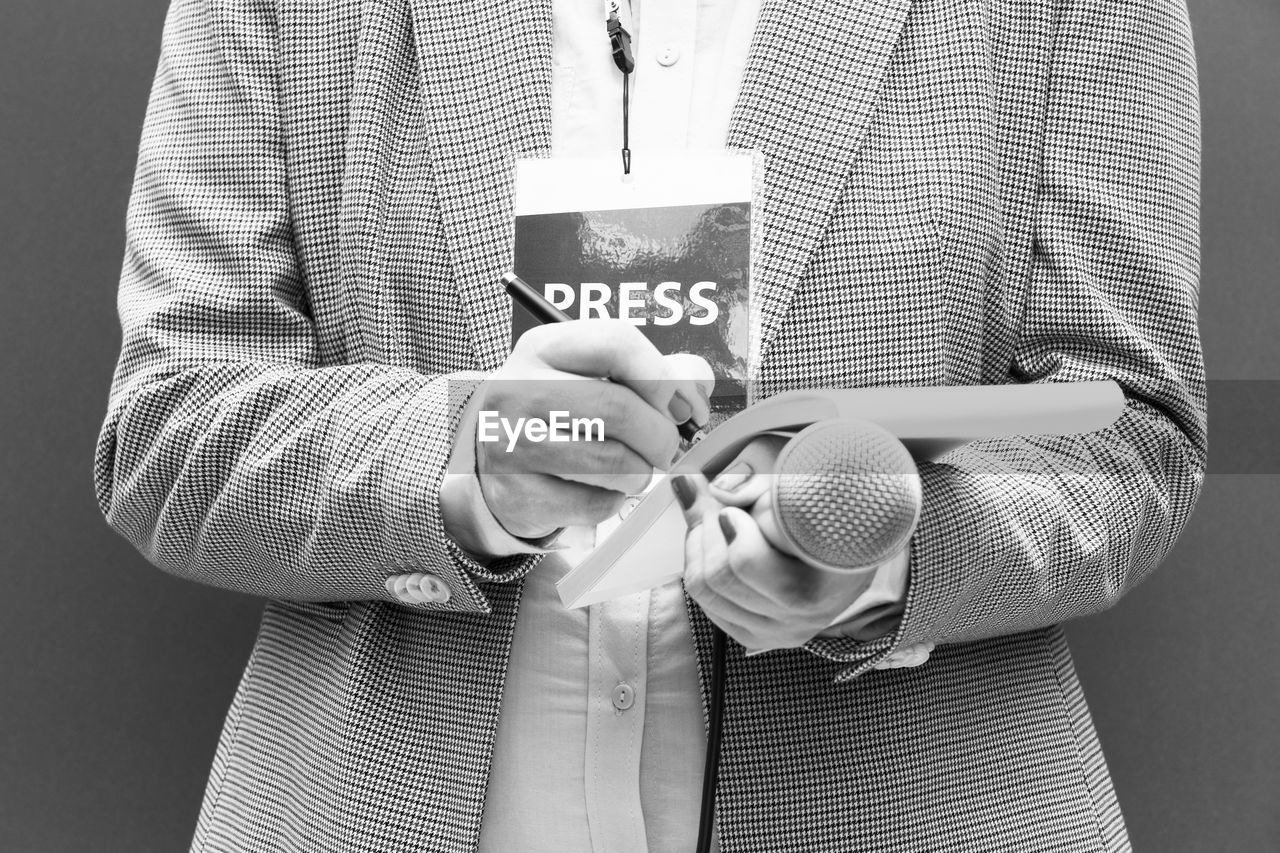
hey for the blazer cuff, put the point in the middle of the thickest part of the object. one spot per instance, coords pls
(878, 610)
(898, 647)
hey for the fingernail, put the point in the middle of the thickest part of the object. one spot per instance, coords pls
(730, 533)
(679, 408)
(684, 490)
(707, 406)
(732, 478)
(676, 457)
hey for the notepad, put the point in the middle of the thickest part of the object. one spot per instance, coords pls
(647, 548)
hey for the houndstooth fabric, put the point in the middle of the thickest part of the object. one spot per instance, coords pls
(958, 191)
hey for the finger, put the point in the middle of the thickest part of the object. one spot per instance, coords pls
(698, 507)
(617, 350)
(698, 511)
(793, 591)
(707, 571)
(747, 545)
(725, 580)
(740, 634)
(686, 367)
(762, 514)
(750, 475)
(587, 412)
(733, 620)
(579, 505)
(530, 505)
(607, 348)
(628, 418)
(694, 560)
(606, 465)
(694, 498)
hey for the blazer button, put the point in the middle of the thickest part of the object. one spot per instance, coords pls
(907, 656)
(418, 588)
(429, 589)
(398, 585)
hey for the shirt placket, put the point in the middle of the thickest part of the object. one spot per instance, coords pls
(663, 82)
(618, 654)
(661, 89)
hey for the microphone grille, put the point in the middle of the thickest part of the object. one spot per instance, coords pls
(847, 493)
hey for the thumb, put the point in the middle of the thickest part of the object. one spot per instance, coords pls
(761, 512)
(686, 365)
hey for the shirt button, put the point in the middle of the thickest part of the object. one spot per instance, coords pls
(668, 55)
(624, 696)
(907, 656)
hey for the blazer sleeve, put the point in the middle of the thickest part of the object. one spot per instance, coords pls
(1019, 534)
(231, 454)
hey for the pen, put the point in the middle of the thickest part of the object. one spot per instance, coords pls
(544, 312)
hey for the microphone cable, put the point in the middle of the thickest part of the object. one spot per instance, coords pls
(711, 769)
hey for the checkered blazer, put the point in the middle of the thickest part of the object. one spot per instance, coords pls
(957, 192)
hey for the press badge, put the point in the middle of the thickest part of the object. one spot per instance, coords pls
(667, 248)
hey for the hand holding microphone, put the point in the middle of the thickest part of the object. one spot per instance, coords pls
(792, 532)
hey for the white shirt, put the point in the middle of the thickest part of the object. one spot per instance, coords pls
(600, 740)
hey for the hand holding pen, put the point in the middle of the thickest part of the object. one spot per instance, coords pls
(535, 481)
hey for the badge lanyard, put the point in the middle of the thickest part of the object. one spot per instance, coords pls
(620, 43)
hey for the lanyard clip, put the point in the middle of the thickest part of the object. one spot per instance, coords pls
(620, 41)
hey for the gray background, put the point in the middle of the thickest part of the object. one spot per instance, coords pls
(115, 676)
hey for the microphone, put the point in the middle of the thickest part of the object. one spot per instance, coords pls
(845, 495)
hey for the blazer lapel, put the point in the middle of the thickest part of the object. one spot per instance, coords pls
(486, 82)
(810, 86)
(809, 90)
